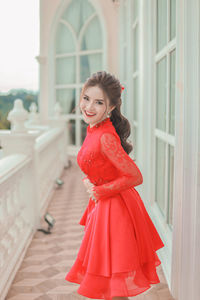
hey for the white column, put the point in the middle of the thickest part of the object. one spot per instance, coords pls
(144, 116)
(186, 233)
(43, 88)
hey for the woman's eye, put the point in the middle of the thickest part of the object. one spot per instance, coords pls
(87, 99)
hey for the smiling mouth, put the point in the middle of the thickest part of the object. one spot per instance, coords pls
(89, 115)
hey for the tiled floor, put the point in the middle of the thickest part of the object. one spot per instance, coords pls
(49, 257)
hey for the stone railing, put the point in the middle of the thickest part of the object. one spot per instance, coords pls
(33, 158)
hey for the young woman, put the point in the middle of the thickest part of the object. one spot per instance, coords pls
(117, 257)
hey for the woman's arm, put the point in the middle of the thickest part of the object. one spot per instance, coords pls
(130, 174)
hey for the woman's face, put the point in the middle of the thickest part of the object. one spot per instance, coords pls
(94, 105)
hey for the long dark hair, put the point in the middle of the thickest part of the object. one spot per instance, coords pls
(111, 88)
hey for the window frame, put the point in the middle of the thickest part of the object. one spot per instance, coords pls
(164, 136)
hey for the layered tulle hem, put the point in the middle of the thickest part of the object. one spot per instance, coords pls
(124, 284)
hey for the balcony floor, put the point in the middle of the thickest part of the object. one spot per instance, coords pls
(49, 257)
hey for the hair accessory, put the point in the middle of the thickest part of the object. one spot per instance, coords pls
(122, 88)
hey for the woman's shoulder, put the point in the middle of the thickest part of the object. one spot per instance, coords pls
(110, 131)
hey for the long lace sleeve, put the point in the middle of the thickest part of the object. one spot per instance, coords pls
(130, 174)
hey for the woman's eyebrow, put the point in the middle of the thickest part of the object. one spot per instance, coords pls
(95, 99)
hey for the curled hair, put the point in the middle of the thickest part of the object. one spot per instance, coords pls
(111, 88)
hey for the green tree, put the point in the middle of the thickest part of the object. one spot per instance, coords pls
(4, 123)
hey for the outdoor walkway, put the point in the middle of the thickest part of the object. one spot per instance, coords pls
(49, 257)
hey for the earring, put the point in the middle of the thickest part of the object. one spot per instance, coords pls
(108, 114)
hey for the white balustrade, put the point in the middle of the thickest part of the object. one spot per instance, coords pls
(33, 115)
(17, 116)
(33, 157)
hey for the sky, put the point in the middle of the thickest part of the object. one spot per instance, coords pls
(19, 44)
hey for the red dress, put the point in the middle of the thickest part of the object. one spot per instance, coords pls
(117, 255)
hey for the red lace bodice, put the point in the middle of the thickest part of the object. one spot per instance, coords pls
(105, 162)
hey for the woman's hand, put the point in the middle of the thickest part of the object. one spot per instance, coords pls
(87, 183)
(91, 192)
(89, 186)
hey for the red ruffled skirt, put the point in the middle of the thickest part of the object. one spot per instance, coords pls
(117, 256)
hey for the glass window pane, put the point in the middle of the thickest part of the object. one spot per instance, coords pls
(125, 63)
(71, 132)
(135, 48)
(160, 174)
(135, 98)
(77, 13)
(83, 130)
(161, 24)
(89, 64)
(172, 19)
(64, 40)
(161, 94)
(135, 10)
(170, 185)
(124, 102)
(124, 18)
(135, 142)
(92, 38)
(65, 70)
(172, 93)
(66, 98)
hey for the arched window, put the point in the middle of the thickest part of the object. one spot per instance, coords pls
(78, 54)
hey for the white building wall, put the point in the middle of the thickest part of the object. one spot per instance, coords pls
(180, 259)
